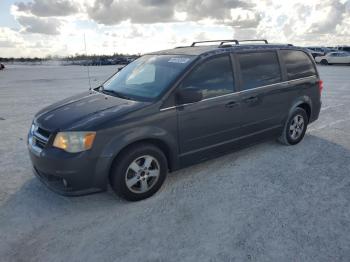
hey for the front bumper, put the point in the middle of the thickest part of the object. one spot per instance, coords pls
(67, 174)
(57, 185)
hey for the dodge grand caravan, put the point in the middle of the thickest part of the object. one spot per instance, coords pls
(169, 109)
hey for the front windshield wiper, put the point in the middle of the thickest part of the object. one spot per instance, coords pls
(114, 93)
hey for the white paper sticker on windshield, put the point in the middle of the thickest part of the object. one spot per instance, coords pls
(180, 60)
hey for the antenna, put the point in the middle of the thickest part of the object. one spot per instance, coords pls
(88, 70)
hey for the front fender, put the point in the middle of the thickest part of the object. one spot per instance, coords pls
(128, 137)
(123, 139)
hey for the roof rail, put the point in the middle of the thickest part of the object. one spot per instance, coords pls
(237, 42)
(254, 40)
(213, 41)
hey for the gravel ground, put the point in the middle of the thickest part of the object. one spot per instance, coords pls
(264, 203)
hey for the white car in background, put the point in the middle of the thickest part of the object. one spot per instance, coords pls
(334, 58)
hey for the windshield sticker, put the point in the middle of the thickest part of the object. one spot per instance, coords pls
(179, 60)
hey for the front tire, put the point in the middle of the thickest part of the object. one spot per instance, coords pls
(139, 172)
(295, 127)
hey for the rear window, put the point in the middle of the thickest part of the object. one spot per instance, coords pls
(298, 64)
(259, 69)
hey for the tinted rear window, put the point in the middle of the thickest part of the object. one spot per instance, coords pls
(259, 69)
(298, 64)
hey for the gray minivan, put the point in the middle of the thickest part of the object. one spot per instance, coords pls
(173, 108)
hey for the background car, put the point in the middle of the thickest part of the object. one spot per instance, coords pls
(315, 53)
(344, 48)
(321, 50)
(334, 58)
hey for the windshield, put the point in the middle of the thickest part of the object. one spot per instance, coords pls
(147, 77)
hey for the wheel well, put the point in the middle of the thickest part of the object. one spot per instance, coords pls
(156, 142)
(307, 109)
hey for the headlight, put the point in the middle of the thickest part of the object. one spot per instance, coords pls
(74, 142)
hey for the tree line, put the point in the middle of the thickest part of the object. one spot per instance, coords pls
(76, 57)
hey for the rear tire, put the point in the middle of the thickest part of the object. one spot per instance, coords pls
(324, 62)
(295, 127)
(139, 172)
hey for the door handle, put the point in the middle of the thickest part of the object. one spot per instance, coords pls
(251, 99)
(231, 104)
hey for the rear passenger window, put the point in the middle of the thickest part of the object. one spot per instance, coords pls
(214, 77)
(259, 69)
(298, 64)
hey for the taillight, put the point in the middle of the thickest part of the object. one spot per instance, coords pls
(320, 86)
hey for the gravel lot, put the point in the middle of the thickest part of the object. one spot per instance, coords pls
(264, 203)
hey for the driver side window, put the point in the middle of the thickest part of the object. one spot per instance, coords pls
(212, 78)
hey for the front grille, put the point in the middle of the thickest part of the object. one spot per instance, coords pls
(39, 143)
(44, 132)
(40, 137)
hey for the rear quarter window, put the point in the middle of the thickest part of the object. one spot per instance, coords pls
(298, 64)
(259, 69)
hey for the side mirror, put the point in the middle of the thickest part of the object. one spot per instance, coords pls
(189, 95)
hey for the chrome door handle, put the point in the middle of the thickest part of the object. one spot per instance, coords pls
(231, 104)
(251, 99)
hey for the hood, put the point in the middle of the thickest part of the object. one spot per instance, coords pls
(83, 111)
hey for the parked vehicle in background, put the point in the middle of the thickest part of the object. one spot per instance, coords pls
(121, 61)
(334, 58)
(319, 50)
(173, 108)
(314, 53)
(344, 48)
(2, 66)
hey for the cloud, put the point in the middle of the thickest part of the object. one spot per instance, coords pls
(243, 18)
(118, 25)
(304, 22)
(7, 43)
(47, 26)
(214, 9)
(10, 40)
(46, 8)
(110, 12)
(331, 14)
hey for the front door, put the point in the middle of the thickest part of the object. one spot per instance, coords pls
(214, 120)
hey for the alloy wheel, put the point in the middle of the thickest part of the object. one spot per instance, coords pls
(296, 127)
(142, 174)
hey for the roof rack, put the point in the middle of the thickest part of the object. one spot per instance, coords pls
(212, 41)
(254, 40)
(237, 42)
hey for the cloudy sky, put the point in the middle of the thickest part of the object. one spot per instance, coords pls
(56, 27)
